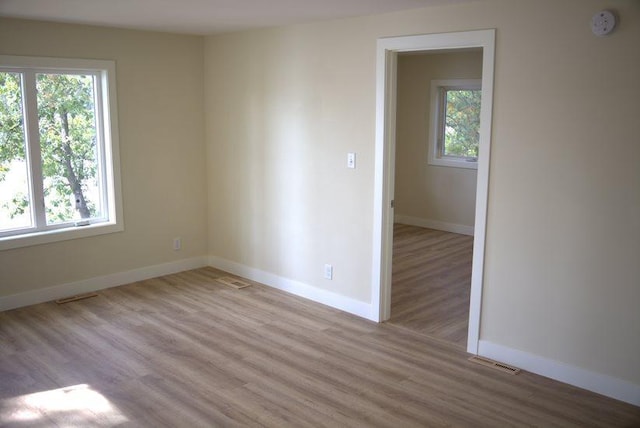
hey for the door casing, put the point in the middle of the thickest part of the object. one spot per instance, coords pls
(386, 92)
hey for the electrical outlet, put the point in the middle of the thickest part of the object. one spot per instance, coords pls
(328, 272)
(177, 244)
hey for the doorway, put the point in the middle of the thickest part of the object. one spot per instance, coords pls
(437, 123)
(386, 101)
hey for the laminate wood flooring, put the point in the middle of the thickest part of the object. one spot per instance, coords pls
(431, 282)
(186, 351)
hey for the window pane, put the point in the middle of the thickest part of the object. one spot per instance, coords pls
(15, 210)
(70, 161)
(462, 123)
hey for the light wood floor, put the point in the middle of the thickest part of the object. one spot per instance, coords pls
(184, 351)
(431, 282)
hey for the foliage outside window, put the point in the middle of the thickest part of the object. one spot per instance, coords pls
(58, 171)
(455, 123)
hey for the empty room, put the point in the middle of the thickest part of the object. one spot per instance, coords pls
(211, 213)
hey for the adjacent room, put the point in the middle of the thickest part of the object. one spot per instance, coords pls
(267, 214)
(435, 190)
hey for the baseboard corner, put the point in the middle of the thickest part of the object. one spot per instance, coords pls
(328, 298)
(434, 224)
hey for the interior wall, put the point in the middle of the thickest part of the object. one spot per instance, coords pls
(285, 105)
(281, 197)
(159, 81)
(424, 191)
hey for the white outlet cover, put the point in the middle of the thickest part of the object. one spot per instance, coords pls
(328, 271)
(603, 23)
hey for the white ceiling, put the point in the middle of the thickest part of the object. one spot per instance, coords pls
(202, 16)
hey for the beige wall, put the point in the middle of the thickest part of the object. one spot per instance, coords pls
(424, 191)
(281, 115)
(160, 103)
(285, 105)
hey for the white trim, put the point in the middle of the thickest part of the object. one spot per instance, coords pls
(463, 229)
(98, 283)
(334, 300)
(62, 234)
(602, 384)
(386, 77)
(52, 63)
(487, 39)
(386, 62)
(436, 123)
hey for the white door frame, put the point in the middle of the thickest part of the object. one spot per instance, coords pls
(386, 76)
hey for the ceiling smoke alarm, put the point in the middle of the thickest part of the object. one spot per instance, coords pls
(603, 23)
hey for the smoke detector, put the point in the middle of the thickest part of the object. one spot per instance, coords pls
(603, 23)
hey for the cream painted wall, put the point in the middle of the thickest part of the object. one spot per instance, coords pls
(160, 85)
(281, 115)
(424, 191)
(285, 105)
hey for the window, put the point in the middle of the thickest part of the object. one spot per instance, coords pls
(58, 150)
(455, 123)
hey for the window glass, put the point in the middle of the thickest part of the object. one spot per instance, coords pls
(68, 147)
(461, 123)
(15, 209)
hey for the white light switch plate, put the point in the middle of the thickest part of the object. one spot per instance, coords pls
(351, 160)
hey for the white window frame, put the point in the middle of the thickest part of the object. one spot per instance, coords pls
(436, 122)
(108, 152)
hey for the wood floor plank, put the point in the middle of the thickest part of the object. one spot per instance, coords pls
(431, 282)
(183, 350)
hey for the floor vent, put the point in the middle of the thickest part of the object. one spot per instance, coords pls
(495, 365)
(75, 298)
(233, 282)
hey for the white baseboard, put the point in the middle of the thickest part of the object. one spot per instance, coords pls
(98, 283)
(602, 384)
(434, 224)
(334, 300)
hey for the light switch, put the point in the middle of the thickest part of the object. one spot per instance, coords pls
(351, 160)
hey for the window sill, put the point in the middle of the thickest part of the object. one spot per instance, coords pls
(73, 232)
(453, 163)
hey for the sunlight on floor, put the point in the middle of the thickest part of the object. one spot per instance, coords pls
(78, 404)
